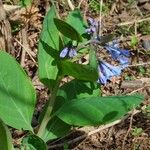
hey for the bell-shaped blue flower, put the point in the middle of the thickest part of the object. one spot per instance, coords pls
(93, 25)
(92, 22)
(68, 52)
(107, 71)
(121, 55)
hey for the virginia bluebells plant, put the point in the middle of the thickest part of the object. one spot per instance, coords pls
(68, 52)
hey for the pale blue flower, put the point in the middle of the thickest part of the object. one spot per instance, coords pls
(107, 71)
(68, 52)
(93, 25)
(92, 22)
(122, 55)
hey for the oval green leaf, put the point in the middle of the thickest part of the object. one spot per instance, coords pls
(76, 20)
(67, 30)
(97, 110)
(17, 95)
(48, 49)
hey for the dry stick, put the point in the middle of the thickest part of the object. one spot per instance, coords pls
(70, 4)
(2, 12)
(25, 44)
(85, 10)
(5, 31)
(79, 5)
(132, 22)
(11, 8)
(129, 129)
(27, 50)
(141, 64)
(139, 89)
(100, 18)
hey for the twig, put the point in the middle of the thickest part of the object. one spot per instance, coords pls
(11, 8)
(27, 50)
(2, 11)
(23, 51)
(141, 64)
(70, 4)
(129, 129)
(79, 5)
(132, 22)
(139, 89)
(100, 18)
(85, 10)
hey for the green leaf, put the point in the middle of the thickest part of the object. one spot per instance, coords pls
(33, 142)
(48, 50)
(97, 110)
(78, 71)
(5, 137)
(76, 20)
(26, 3)
(56, 128)
(67, 30)
(77, 89)
(17, 95)
(134, 41)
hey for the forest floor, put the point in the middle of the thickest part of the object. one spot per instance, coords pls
(130, 21)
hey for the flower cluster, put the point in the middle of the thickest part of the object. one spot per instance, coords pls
(106, 70)
(93, 25)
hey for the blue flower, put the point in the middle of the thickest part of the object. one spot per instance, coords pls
(92, 22)
(122, 55)
(90, 30)
(107, 71)
(68, 52)
(93, 25)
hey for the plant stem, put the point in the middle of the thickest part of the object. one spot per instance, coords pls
(47, 115)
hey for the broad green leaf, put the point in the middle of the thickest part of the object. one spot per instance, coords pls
(77, 89)
(26, 3)
(56, 128)
(5, 137)
(33, 142)
(48, 50)
(97, 110)
(81, 72)
(76, 20)
(67, 30)
(17, 95)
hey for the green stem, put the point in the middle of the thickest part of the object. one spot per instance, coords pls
(47, 115)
